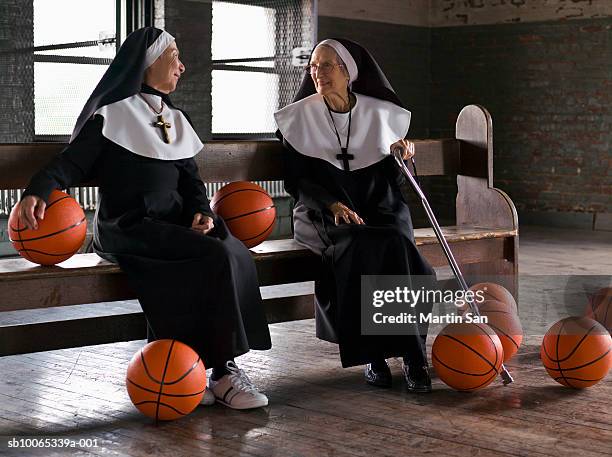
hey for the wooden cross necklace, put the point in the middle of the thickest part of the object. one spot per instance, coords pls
(344, 156)
(160, 122)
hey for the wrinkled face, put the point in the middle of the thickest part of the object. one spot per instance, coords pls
(164, 73)
(330, 76)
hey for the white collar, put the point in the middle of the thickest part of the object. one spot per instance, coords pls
(376, 125)
(128, 123)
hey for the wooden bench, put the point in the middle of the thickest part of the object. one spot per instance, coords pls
(484, 239)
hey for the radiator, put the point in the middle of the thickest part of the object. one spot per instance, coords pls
(88, 196)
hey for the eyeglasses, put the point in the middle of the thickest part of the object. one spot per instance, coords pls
(324, 69)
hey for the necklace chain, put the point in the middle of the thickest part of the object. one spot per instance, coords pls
(344, 149)
(346, 122)
(151, 106)
(341, 128)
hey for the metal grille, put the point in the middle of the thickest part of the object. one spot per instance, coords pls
(16, 72)
(88, 196)
(47, 71)
(274, 188)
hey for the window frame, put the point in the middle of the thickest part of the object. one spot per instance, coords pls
(130, 15)
(221, 64)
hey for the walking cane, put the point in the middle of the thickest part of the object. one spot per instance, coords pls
(397, 153)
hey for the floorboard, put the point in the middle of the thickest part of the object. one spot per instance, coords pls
(316, 407)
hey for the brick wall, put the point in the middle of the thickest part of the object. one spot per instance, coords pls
(16, 71)
(548, 87)
(543, 70)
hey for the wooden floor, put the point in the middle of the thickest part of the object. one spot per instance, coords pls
(316, 407)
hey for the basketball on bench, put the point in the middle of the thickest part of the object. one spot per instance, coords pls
(60, 233)
(166, 379)
(247, 209)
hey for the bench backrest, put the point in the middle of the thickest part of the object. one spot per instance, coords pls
(223, 161)
(220, 161)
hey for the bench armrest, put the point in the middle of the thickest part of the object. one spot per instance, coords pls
(478, 202)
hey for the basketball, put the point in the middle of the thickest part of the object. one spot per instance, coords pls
(166, 379)
(59, 235)
(576, 352)
(492, 291)
(247, 209)
(600, 307)
(505, 323)
(467, 356)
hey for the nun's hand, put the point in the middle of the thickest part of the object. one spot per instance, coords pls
(406, 146)
(31, 210)
(202, 223)
(343, 213)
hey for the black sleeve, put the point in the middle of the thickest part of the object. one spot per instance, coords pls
(193, 190)
(72, 166)
(297, 183)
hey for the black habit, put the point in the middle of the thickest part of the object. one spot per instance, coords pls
(199, 289)
(385, 245)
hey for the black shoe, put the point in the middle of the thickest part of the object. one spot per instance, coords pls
(417, 378)
(378, 374)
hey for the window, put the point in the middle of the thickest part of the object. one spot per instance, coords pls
(69, 61)
(253, 74)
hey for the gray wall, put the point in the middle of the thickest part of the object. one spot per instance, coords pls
(190, 23)
(402, 51)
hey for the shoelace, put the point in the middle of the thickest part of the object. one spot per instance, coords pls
(239, 378)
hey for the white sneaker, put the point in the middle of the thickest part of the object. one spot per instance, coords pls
(236, 390)
(208, 398)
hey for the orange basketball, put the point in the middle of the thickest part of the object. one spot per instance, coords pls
(467, 356)
(505, 323)
(59, 235)
(577, 352)
(166, 380)
(600, 307)
(247, 209)
(492, 291)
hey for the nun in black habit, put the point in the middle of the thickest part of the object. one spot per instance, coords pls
(338, 134)
(195, 281)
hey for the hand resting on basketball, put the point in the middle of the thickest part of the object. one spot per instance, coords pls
(31, 210)
(202, 223)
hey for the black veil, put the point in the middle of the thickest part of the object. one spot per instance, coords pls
(124, 76)
(370, 81)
